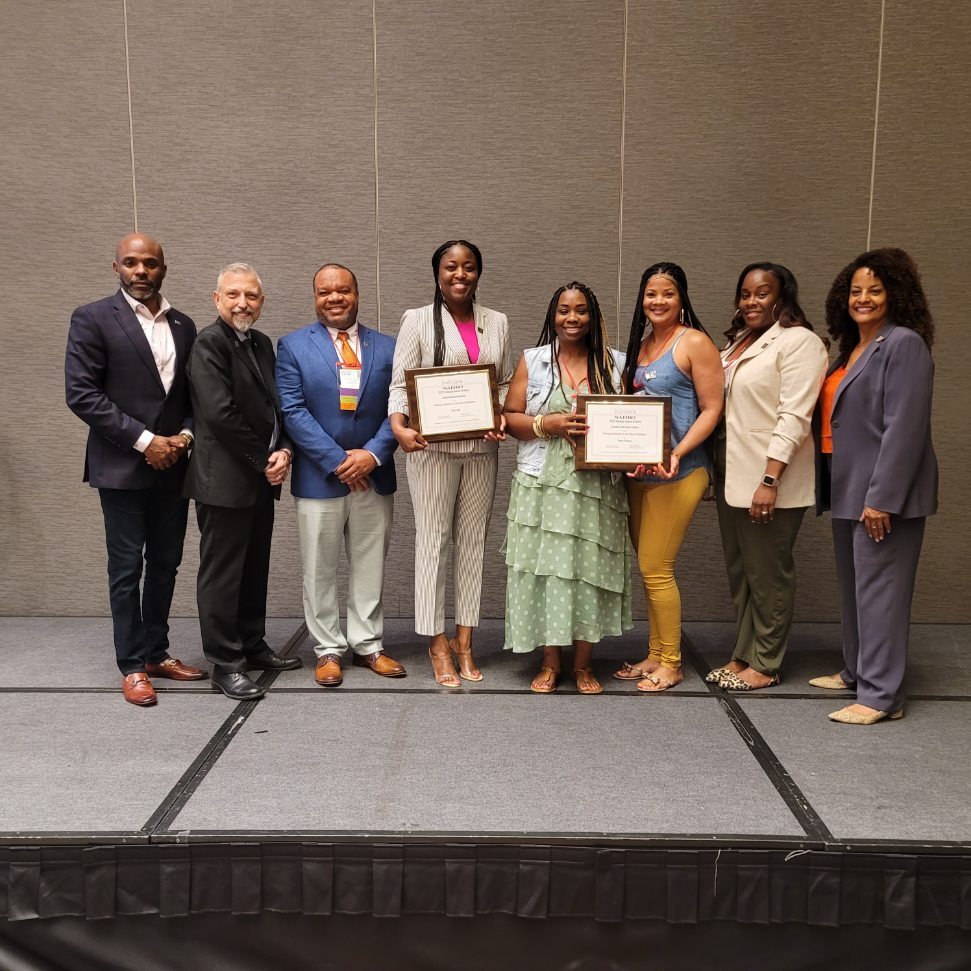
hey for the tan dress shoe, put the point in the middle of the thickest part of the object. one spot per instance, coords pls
(832, 682)
(380, 663)
(138, 690)
(328, 672)
(849, 717)
(173, 668)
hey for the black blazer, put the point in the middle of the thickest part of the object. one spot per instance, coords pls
(234, 412)
(112, 384)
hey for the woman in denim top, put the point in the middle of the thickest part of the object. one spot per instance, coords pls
(676, 359)
(567, 553)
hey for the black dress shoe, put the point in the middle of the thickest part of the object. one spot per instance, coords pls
(268, 661)
(236, 685)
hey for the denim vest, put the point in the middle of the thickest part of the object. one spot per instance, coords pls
(541, 376)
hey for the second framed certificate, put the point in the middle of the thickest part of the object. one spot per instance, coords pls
(448, 404)
(624, 431)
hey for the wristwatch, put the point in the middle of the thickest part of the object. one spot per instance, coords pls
(772, 481)
(187, 438)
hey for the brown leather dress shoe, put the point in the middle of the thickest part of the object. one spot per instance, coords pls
(173, 668)
(380, 663)
(328, 671)
(138, 690)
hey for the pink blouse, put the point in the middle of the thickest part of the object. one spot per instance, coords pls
(467, 333)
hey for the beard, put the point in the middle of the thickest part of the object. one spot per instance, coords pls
(242, 322)
(148, 289)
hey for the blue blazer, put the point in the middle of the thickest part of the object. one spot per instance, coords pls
(306, 377)
(112, 384)
(882, 451)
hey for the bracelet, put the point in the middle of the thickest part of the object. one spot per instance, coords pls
(538, 427)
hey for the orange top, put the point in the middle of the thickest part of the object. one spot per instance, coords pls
(826, 397)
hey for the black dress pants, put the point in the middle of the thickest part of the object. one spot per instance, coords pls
(234, 563)
(142, 525)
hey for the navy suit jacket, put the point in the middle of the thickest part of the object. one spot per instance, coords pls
(306, 375)
(112, 384)
(234, 412)
(882, 451)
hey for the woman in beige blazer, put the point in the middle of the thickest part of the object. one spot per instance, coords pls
(764, 465)
(452, 484)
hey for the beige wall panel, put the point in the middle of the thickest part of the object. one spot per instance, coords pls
(922, 188)
(65, 195)
(502, 126)
(253, 141)
(748, 137)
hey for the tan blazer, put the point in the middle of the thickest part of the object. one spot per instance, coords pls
(415, 347)
(769, 404)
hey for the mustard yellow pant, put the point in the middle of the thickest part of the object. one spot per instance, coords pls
(659, 517)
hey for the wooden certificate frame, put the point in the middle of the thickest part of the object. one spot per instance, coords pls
(453, 403)
(624, 431)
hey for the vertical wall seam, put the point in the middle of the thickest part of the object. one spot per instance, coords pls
(876, 125)
(620, 207)
(377, 194)
(131, 124)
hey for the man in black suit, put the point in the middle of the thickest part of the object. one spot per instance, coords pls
(240, 461)
(124, 376)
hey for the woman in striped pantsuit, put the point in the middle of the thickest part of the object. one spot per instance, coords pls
(452, 484)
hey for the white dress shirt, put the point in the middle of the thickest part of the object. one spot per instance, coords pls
(158, 333)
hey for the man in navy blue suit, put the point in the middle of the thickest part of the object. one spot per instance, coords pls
(333, 378)
(124, 376)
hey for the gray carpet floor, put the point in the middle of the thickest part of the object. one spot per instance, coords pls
(903, 780)
(77, 652)
(939, 661)
(404, 755)
(488, 764)
(90, 762)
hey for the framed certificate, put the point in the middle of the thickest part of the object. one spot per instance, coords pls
(624, 431)
(448, 404)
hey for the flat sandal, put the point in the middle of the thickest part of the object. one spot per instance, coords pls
(585, 676)
(630, 672)
(548, 685)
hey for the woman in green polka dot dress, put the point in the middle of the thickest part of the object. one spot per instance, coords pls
(568, 555)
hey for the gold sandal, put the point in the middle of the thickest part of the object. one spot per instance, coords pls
(466, 663)
(443, 670)
(546, 681)
(587, 684)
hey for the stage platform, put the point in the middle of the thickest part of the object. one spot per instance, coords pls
(393, 797)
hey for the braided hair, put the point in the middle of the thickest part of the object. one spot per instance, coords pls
(639, 321)
(600, 362)
(439, 300)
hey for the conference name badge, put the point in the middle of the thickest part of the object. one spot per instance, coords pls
(349, 380)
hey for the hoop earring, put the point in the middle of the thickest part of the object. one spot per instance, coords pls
(775, 319)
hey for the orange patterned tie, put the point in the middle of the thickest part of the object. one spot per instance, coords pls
(348, 356)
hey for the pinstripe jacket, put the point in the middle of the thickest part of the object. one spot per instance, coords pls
(415, 348)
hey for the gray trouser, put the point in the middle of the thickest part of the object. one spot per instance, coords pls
(876, 582)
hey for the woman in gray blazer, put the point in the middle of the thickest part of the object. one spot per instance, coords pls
(878, 470)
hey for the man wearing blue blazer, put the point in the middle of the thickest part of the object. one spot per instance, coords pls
(124, 376)
(333, 378)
